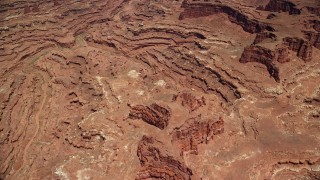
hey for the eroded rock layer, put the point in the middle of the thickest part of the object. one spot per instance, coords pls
(194, 9)
(159, 89)
(281, 6)
(196, 131)
(157, 164)
(154, 114)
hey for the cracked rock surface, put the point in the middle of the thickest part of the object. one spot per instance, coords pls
(160, 89)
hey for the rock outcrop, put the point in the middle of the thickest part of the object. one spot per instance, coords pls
(302, 47)
(313, 38)
(271, 16)
(157, 163)
(313, 24)
(190, 101)
(196, 131)
(316, 25)
(268, 57)
(281, 6)
(264, 36)
(154, 114)
(261, 55)
(314, 10)
(282, 54)
(198, 9)
(123, 89)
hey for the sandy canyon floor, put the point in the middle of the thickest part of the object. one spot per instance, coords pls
(160, 89)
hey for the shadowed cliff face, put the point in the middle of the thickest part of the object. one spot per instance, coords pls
(145, 89)
(194, 10)
(281, 6)
(263, 56)
(157, 164)
(155, 115)
(196, 131)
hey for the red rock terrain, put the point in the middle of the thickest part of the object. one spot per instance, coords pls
(159, 89)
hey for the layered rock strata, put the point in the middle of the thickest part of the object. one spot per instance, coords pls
(157, 163)
(154, 115)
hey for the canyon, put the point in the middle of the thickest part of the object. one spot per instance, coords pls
(160, 89)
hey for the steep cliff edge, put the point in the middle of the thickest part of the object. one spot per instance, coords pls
(281, 6)
(140, 89)
(157, 163)
(195, 10)
(196, 131)
(261, 55)
(154, 115)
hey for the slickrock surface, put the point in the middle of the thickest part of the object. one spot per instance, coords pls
(160, 89)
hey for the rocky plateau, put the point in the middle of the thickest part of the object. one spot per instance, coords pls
(160, 89)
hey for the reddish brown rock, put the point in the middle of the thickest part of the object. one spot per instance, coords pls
(35, 8)
(27, 9)
(313, 24)
(302, 173)
(261, 55)
(264, 36)
(196, 131)
(157, 163)
(56, 3)
(256, 53)
(69, 69)
(316, 25)
(271, 16)
(199, 9)
(190, 101)
(281, 6)
(302, 47)
(313, 38)
(86, 139)
(282, 54)
(314, 10)
(154, 115)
